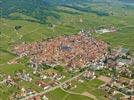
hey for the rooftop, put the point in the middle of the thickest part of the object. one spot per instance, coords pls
(71, 51)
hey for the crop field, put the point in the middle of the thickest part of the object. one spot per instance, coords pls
(92, 88)
(89, 87)
(58, 94)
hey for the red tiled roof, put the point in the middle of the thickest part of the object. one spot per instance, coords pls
(54, 50)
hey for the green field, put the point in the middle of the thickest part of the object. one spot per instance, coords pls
(6, 92)
(88, 86)
(91, 86)
(58, 94)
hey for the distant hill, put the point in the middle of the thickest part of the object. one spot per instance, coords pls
(38, 9)
(41, 9)
(127, 1)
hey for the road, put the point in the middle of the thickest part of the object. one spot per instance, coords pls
(53, 88)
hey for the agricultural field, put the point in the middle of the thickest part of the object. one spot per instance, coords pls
(91, 87)
(54, 95)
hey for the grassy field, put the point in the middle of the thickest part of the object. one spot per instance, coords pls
(88, 86)
(122, 38)
(91, 86)
(58, 94)
(5, 92)
(5, 56)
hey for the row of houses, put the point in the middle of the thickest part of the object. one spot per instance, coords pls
(24, 76)
(106, 30)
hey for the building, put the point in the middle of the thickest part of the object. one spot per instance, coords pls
(42, 84)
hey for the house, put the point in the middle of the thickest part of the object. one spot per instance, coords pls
(111, 63)
(89, 75)
(67, 85)
(45, 98)
(14, 61)
(127, 98)
(121, 62)
(123, 52)
(43, 76)
(9, 81)
(25, 77)
(39, 97)
(106, 30)
(42, 84)
(25, 92)
(97, 65)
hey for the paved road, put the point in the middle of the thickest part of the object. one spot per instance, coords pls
(51, 89)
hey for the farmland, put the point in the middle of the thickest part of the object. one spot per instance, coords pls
(64, 20)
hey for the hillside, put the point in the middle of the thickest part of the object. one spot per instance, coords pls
(41, 9)
(127, 1)
(38, 9)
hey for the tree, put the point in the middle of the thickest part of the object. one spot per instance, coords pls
(17, 27)
(109, 49)
(59, 68)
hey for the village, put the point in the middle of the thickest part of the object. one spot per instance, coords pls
(66, 61)
(71, 51)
